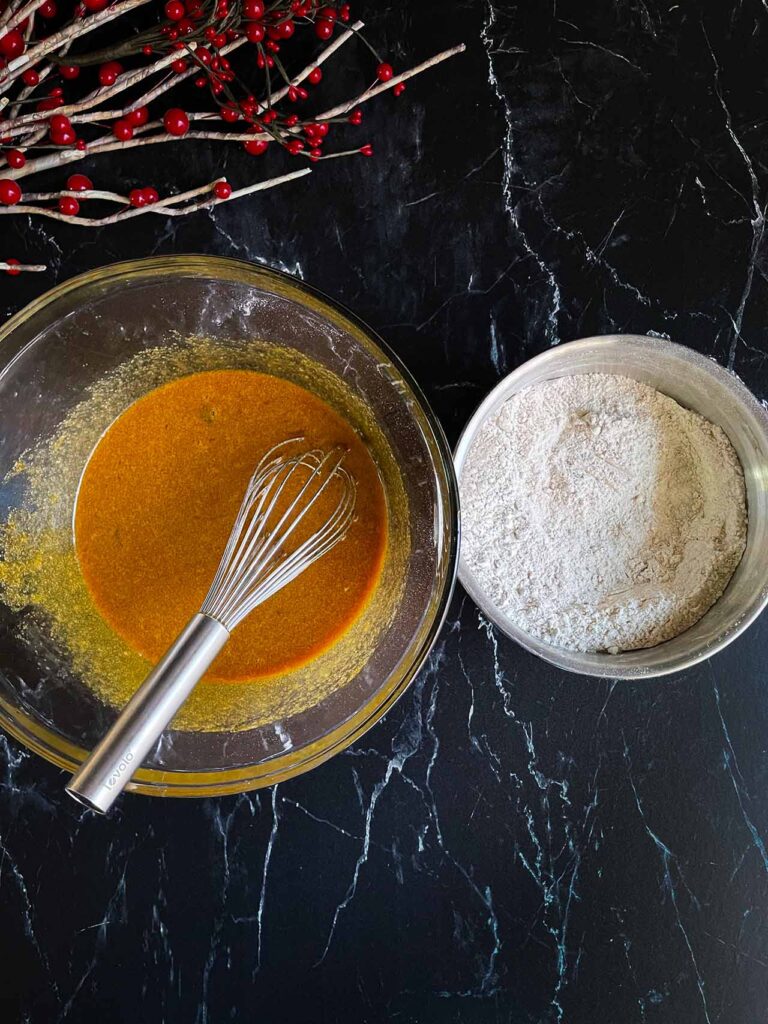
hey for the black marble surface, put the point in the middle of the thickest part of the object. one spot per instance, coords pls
(512, 844)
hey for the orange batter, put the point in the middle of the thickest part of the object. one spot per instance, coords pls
(160, 494)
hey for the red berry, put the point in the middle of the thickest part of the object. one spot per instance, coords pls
(59, 123)
(256, 146)
(48, 9)
(315, 154)
(174, 10)
(122, 129)
(138, 116)
(399, 89)
(151, 196)
(12, 268)
(356, 117)
(272, 45)
(314, 76)
(345, 12)
(203, 54)
(229, 114)
(12, 44)
(79, 183)
(81, 145)
(367, 149)
(94, 5)
(323, 29)
(30, 77)
(253, 9)
(292, 120)
(254, 32)
(317, 130)
(179, 66)
(201, 81)
(292, 93)
(108, 72)
(222, 190)
(69, 71)
(185, 26)
(50, 103)
(147, 51)
(15, 158)
(327, 12)
(10, 192)
(137, 197)
(65, 137)
(294, 147)
(210, 33)
(176, 121)
(384, 72)
(56, 91)
(69, 205)
(286, 29)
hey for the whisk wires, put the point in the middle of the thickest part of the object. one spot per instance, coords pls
(257, 561)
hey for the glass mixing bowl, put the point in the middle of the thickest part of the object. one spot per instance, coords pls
(55, 350)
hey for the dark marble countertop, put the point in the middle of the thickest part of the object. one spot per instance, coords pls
(511, 844)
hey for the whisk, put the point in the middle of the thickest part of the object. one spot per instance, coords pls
(258, 560)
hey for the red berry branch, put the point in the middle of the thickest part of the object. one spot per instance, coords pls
(58, 107)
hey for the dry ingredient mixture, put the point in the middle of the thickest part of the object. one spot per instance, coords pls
(600, 515)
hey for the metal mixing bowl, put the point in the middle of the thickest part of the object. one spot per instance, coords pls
(697, 383)
(67, 341)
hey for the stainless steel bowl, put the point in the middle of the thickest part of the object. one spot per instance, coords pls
(700, 384)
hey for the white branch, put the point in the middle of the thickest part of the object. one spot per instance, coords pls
(163, 206)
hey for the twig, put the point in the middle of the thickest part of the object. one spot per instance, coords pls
(8, 13)
(30, 268)
(78, 28)
(158, 90)
(69, 156)
(19, 15)
(163, 206)
(29, 89)
(376, 90)
(124, 81)
(108, 144)
(320, 59)
(90, 193)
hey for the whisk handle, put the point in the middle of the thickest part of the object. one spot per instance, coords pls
(120, 753)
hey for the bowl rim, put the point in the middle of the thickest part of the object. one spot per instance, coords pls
(69, 756)
(608, 666)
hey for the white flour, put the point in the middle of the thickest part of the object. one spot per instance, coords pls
(600, 515)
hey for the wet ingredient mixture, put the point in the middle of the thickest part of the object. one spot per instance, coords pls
(160, 493)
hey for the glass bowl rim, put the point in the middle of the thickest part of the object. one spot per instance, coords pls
(68, 756)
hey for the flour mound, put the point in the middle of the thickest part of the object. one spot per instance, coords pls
(600, 515)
